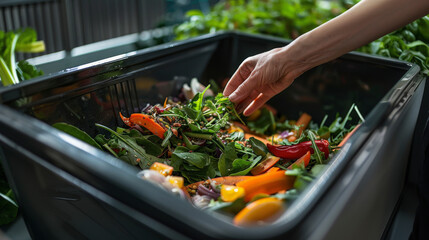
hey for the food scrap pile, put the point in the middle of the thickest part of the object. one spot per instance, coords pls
(202, 150)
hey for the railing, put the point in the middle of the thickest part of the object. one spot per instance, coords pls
(66, 24)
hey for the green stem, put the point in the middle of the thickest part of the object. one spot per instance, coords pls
(33, 47)
(5, 74)
(312, 137)
(359, 114)
(11, 58)
(343, 124)
(323, 121)
(199, 135)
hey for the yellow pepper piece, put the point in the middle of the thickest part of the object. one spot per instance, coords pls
(261, 211)
(164, 169)
(176, 181)
(229, 193)
(233, 129)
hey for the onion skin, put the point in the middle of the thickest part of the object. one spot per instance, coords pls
(202, 190)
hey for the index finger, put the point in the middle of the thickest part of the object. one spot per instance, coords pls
(240, 75)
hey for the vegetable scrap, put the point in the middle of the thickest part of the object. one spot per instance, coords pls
(203, 151)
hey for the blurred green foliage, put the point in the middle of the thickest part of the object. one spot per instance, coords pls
(410, 43)
(282, 18)
(291, 18)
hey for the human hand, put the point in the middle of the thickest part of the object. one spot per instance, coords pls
(261, 77)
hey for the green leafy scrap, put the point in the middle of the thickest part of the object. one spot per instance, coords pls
(23, 40)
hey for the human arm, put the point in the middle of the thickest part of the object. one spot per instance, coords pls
(262, 76)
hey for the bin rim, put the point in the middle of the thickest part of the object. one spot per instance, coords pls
(215, 225)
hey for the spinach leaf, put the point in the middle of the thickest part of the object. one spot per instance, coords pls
(191, 113)
(226, 159)
(167, 138)
(77, 133)
(258, 147)
(150, 147)
(265, 124)
(239, 163)
(136, 155)
(197, 159)
(236, 136)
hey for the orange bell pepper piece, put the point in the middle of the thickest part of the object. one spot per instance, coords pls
(147, 122)
(268, 183)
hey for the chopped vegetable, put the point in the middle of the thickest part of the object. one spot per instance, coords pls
(269, 183)
(265, 165)
(273, 169)
(125, 120)
(229, 193)
(302, 123)
(205, 146)
(248, 136)
(263, 210)
(228, 180)
(176, 181)
(147, 122)
(348, 136)
(302, 161)
(298, 150)
(164, 169)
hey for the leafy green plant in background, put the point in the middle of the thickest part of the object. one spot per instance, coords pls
(8, 206)
(24, 40)
(291, 18)
(409, 43)
(11, 72)
(282, 18)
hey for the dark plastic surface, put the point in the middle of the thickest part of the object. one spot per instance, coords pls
(70, 190)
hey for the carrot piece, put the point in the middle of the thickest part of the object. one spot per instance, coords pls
(165, 102)
(273, 169)
(348, 136)
(305, 159)
(291, 138)
(264, 165)
(268, 183)
(125, 120)
(248, 135)
(228, 180)
(302, 123)
(263, 210)
(147, 122)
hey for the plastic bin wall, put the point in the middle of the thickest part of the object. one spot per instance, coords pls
(69, 190)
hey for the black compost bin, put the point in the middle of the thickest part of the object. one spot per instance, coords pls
(70, 190)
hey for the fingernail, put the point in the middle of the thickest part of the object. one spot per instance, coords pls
(232, 97)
